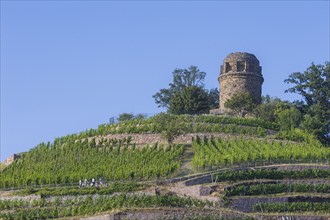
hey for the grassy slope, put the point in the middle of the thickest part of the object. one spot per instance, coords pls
(155, 162)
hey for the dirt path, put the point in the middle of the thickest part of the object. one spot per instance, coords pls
(191, 191)
(186, 167)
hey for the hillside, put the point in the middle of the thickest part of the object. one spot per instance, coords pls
(195, 167)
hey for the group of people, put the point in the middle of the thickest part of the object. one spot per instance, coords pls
(85, 183)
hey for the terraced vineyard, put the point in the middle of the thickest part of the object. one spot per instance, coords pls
(69, 162)
(187, 123)
(46, 208)
(218, 152)
(249, 173)
(293, 191)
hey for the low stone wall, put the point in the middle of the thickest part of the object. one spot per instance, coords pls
(293, 181)
(245, 204)
(25, 198)
(189, 213)
(305, 167)
(169, 213)
(157, 138)
(199, 180)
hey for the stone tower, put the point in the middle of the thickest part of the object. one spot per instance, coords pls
(240, 73)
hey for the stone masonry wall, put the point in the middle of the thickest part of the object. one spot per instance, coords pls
(234, 84)
(157, 138)
(240, 73)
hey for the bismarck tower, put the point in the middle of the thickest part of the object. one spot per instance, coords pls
(240, 73)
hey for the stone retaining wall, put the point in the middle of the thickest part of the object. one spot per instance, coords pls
(176, 213)
(169, 213)
(148, 138)
(157, 138)
(245, 204)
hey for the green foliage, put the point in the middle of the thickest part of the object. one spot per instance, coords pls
(213, 98)
(130, 116)
(318, 125)
(266, 110)
(293, 207)
(252, 122)
(75, 190)
(210, 153)
(125, 117)
(182, 78)
(241, 103)
(188, 124)
(270, 174)
(29, 190)
(287, 115)
(44, 209)
(190, 100)
(72, 157)
(171, 126)
(186, 93)
(289, 119)
(68, 162)
(20, 203)
(274, 188)
(314, 86)
(297, 135)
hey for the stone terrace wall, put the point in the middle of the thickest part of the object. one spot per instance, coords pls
(245, 204)
(176, 213)
(157, 138)
(169, 213)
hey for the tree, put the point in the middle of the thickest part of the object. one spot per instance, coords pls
(289, 119)
(140, 116)
(170, 126)
(314, 86)
(191, 100)
(129, 116)
(214, 98)
(241, 103)
(125, 117)
(287, 115)
(185, 82)
(266, 110)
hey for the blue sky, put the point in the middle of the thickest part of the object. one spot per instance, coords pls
(67, 66)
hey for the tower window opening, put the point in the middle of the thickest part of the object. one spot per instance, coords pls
(240, 66)
(228, 67)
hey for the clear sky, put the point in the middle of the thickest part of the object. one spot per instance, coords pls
(67, 66)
